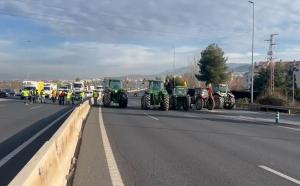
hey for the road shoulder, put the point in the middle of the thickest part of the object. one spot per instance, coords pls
(92, 168)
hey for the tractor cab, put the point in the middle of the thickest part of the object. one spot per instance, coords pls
(115, 84)
(156, 85)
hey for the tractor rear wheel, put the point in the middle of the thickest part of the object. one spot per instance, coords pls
(165, 102)
(199, 103)
(143, 102)
(147, 102)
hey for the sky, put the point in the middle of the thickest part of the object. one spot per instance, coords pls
(65, 39)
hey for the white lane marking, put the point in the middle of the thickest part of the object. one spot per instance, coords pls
(9, 156)
(32, 108)
(289, 128)
(280, 174)
(114, 172)
(152, 117)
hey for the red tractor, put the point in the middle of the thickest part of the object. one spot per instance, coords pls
(204, 99)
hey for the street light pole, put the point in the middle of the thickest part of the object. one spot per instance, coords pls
(252, 66)
(293, 87)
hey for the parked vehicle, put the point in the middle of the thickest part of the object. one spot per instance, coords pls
(223, 97)
(48, 88)
(180, 99)
(3, 94)
(203, 99)
(155, 95)
(114, 92)
(78, 88)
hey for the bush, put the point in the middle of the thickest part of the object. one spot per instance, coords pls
(243, 101)
(276, 100)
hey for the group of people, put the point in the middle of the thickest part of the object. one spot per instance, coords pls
(33, 96)
(65, 97)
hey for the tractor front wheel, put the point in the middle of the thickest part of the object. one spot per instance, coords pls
(106, 99)
(123, 100)
(219, 101)
(210, 103)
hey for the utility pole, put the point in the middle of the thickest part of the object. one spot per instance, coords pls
(271, 63)
(174, 72)
(252, 66)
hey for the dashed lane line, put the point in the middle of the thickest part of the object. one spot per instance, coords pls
(152, 117)
(36, 107)
(280, 174)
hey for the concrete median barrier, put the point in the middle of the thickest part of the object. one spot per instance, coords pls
(51, 164)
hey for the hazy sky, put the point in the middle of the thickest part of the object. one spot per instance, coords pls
(75, 38)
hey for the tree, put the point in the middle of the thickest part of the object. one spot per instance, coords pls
(212, 65)
(260, 80)
(77, 79)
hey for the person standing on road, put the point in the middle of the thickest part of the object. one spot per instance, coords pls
(73, 97)
(37, 95)
(60, 97)
(95, 96)
(69, 97)
(25, 95)
(53, 96)
(31, 96)
(43, 96)
(65, 97)
(81, 96)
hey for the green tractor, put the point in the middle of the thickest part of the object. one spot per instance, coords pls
(223, 97)
(114, 92)
(155, 95)
(179, 98)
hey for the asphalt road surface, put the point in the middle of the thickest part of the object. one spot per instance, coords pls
(23, 130)
(187, 148)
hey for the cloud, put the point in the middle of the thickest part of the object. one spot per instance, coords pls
(112, 37)
(93, 59)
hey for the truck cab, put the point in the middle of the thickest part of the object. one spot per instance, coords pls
(78, 87)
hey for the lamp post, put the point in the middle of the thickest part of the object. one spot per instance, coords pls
(252, 66)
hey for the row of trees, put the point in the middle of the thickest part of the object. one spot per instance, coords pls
(283, 80)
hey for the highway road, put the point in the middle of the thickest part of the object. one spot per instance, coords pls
(136, 147)
(23, 130)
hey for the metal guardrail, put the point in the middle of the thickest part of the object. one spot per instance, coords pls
(270, 108)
